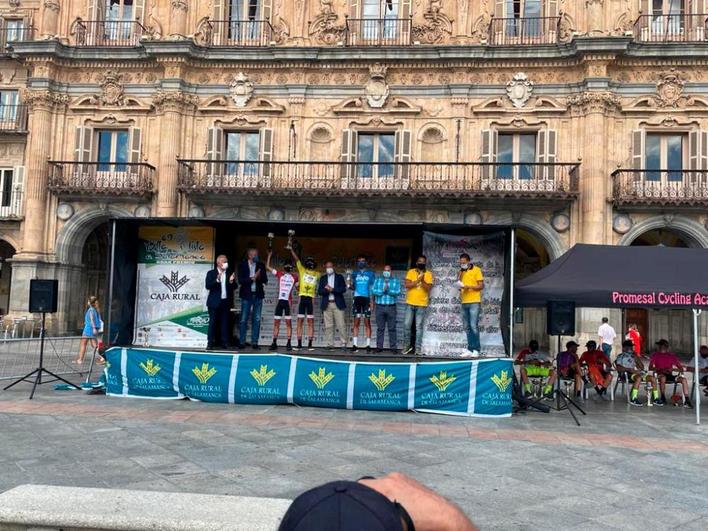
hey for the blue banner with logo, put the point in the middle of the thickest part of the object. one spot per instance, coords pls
(469, 387)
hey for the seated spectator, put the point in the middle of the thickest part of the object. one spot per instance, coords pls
(599, 366)
(630, 364)
(536, 363)
(702, 368)
(663, 362)
(569, 367)
(391, 503)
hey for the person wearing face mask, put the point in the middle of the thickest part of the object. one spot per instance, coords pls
(252, 276)
(702, 371)
(221, 287)
(470, 281)
(386, 290)
(419, 282)
(332, 288)
(307, 283)
(286, 284)
(361, 283)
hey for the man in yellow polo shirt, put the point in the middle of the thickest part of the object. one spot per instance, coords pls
(418, 284)
(471, 283)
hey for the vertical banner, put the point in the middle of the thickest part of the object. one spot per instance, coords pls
(443, 331)
(171, 298)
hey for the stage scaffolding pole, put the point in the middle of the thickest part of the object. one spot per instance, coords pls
(696, 372)
(511, 291)
(111, 271)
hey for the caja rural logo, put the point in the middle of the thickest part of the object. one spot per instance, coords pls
(174, 283)
(381, 380)
(150, 367)
(263, 375)
(204, 373)
(442, 381)
(502, 381)
(322, 378)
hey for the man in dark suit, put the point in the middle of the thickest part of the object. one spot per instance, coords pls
(252, 276)
(221, 287)
(332, 288)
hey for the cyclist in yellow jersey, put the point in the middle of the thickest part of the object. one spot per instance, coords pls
(308, 277)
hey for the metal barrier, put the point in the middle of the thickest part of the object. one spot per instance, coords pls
(20, 356)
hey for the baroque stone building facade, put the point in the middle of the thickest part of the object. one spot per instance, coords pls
(575, 121)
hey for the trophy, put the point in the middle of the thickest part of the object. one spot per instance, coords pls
(291, 235)
(349, 278)
(270, 241)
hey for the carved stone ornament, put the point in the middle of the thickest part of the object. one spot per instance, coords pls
(376, 88)
(196, 212)
(241, 90)
(519, 90)
(560, 222)
(47, 99)
(472, 218)
(324, 28)
(173, 100)
(51, 5)
(179, 5)
(595, 102)
(622, 223)
(437, 27)
(669, 89)
(111, 88)
(65, 211)
(142, 211)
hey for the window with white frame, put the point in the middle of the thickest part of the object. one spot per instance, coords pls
(14, 29)
(239, 152)
(670, 157)
(6, 183)
(243, 147)
(526, 17)
(8, 105)
(381, 19)
(112, 149)
(376, 154)
(520, 155)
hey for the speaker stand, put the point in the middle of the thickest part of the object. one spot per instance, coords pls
(563, 401)
(39, 371)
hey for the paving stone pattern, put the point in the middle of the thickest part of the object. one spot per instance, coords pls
(623, 469)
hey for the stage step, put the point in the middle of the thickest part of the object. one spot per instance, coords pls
(49, 508)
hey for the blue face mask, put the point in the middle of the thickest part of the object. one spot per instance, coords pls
(361, 265)
(255, 259)
(386, 274)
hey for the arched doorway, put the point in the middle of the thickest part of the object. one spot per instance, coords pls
(7, 251)
(676, 326)
(94, 258)
(531, 256)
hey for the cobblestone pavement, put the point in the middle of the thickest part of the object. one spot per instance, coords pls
(622, 469)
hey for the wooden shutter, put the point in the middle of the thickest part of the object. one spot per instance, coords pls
(698, 155)
(499, 10)
(644, 7)
(550, 150)
(16, 192)
(638, 139)
(354, 9)
(552, 8)
(489, 152)
(83, 144)
(219, 16)
(266, 9)
(134, 146)
(139, 10)
(215, 144)
(402, 153)
(265, 151)
(350, 143)
(95, 9)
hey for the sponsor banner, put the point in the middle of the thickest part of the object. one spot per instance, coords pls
(470, 387)
(321, 383)
(444, 333)
(381, 386)
(492, 390)
(150, 373)
(262, 379)
(205, 377)
(175, 245)
(443, 387)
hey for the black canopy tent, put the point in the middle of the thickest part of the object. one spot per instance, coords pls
(606, 276)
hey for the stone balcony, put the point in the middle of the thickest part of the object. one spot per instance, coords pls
(671, 28)
(115, 179)
(647, 188)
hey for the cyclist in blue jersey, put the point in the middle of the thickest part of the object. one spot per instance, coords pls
(361, 283)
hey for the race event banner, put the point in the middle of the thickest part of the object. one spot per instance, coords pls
(443, 330)
(170, 300)
(470, 387)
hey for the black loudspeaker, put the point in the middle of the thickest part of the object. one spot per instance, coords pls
(560, 318)
(43, 296)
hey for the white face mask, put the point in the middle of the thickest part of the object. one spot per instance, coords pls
(330, 270)
(224, 266)
(464, 266)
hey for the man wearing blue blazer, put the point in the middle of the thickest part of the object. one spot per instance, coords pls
(221, 286)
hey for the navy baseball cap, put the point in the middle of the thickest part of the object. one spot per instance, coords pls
(342, 506)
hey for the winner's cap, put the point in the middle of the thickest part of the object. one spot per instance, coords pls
(627, 343)
(571, 344)
(662, 343)
(342, 506)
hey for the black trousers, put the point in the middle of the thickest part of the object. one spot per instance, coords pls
(219, 318)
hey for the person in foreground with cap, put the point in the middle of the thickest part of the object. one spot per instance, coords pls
(599, 366)
(569, 367)
(663, 362)
(629, 363)
(392, 503)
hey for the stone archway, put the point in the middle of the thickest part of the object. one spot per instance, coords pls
(691, 232)
(7, 251)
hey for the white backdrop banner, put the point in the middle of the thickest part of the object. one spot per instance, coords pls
(443, 332)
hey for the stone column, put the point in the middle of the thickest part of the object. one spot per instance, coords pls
(178, 18)
(49, 18)
(171, 106)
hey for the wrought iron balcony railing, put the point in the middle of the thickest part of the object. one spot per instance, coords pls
(108, 32)
(10, 34)
(524, 31)
(671, 28)
(101, 178)
(660, 187)
(378, 31)
(425, 179)
(11, 202)
(13, 118)
(250, 32)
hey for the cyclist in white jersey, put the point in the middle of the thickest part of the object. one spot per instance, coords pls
(286, 284)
